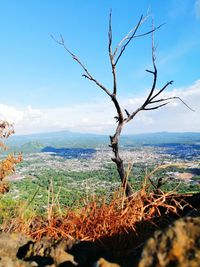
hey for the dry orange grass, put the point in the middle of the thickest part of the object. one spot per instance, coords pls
(98, 219)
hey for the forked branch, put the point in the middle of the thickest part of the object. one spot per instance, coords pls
(128, 38)
(111, 56)
(152, 96)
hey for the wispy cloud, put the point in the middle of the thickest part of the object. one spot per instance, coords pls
(98, 117)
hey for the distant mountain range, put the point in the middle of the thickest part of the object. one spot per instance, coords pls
(36, 142)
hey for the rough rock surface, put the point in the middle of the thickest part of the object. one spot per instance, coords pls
(177, 246)
(9, 245)
(17, 251)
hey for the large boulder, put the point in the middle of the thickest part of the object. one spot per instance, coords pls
(177, 246)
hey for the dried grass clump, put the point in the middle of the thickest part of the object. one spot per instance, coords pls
(98, 219)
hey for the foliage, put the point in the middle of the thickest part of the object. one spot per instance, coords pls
(72, 187)
(7, 165)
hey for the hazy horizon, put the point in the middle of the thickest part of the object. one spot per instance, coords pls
(106, 135)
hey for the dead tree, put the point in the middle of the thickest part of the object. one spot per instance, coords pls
(153, 100)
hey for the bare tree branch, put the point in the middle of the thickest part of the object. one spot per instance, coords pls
(161, 90)
(118, 108)
(110, 33)
(127, 113)
(129, 40)
(111, 56)
(127, 37)
(170, 98)
(154, 72)
(149, 32)
(156, 106)
(133, 114)
(131, 35)
(176, 97)
(87, 73)
(151, 98)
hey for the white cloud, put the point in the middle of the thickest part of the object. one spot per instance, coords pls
(197, 9)
(26, 120)
(10, 113)
(33, 113)
(98, 117)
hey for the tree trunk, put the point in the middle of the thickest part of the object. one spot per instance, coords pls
(119, 162)
(126, 186)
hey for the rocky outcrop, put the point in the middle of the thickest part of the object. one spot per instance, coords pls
(178, 245)
(16, 250)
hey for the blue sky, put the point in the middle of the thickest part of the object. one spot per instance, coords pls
(42, 88)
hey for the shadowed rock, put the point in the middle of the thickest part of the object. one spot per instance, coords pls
(9, 245)
(178, 245)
